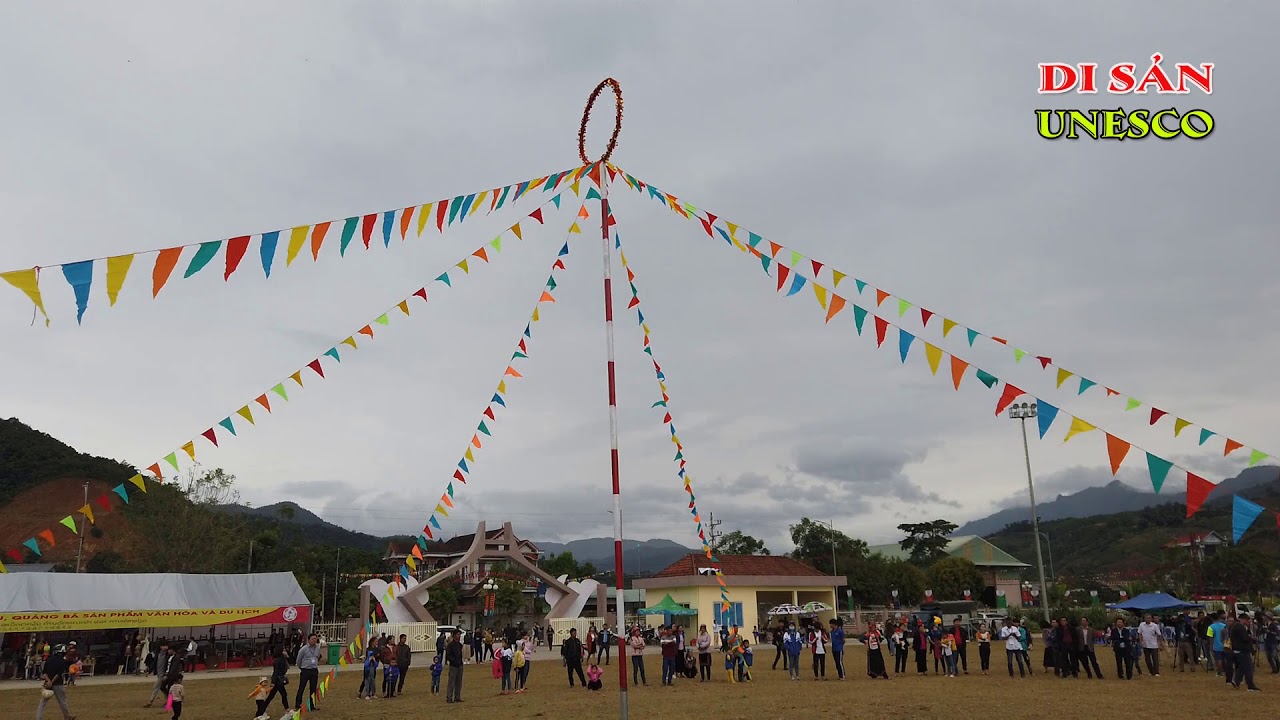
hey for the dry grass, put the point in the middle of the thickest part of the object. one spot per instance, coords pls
(997, 697)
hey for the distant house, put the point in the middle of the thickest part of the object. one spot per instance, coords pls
(1202, 545)
(755, 584)
(1000, 570)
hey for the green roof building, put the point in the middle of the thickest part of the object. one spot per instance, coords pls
(1002, 571)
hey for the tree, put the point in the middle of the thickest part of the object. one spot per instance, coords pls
(926, 541)
(562, 564)
(183, 530)
(814, 545)
(442, 600)
(1239, 570)
(739, 543)
(907, 579)
(951, 576)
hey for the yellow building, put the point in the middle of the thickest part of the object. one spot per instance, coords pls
(756, 583)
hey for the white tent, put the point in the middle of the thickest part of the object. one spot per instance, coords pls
(92, 600)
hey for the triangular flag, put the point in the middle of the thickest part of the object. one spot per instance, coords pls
(1231, 447)
(70, 522)
(881, 296)
(1243, 513)
(297, 377)
(1018, 355)
(836, 305)
(263, 401)
(1205, 434)
(973, 335)
(1158, 468)
(166, 261)
(87, 512)
(947, 325)
(139, 481)
(1198, 490)
(904, 343)
(279, 390)
(1011, 392)
(1063, 375)
(986, 378)
(958, 367)
(1178, 425)
(933, 354)
(1078, 426)
(1256, 456)
(882, 326)
(31, 543)
(190, 449)
(1085, 384)
(1131, 404)
(1156, 414)
(512, 372)
(315, 365)
(117, 271)
(204, 254)
(155, 470)
(172, 459)
(79, 275)
(1045, 414)
(28, 282)
(122, 492)
(246, 413)
(1117, 449)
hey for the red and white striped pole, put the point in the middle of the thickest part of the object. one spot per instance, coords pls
(619, 582)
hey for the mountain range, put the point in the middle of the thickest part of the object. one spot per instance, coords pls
(1114, 497)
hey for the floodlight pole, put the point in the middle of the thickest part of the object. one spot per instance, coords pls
(603, 175)
(1020, 412)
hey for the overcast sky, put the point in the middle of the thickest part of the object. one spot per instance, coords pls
(896, 142)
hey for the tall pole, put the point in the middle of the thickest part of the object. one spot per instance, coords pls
(83, 519)
(607, 248)
(250, 568)
(336, 563)
(1035, 517)
(832, 525)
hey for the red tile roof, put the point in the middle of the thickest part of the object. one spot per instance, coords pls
(729, 565)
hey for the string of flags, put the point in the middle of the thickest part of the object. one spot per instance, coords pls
(665, 405)
(488, 421)
(1244, 511)
(349, 655)
(244, 417)
(79, 275)
(768, 251)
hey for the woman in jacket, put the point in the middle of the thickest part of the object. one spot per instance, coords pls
(704, 654)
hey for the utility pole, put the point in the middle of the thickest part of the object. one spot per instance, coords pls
(83, 521)
(713, 523)
(1022, 412)
(250, 568)
(336, 563)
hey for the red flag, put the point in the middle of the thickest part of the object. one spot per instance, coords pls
(236, 248)
(882, 326)
(16, 554)
(315, 365)
(706, 226)
(1045, 362)
(537, 215)
(1000, 340)
(104, 501)
(442, 210)
(1198, 490)
(1011, 393)
(925, 316)
(458, 474)
(211, 436)
(783, 271)
(817, 268)
(155, 470)
(366, 228)
(422, 293)
(489, 413)
(1156, 414)
(366, 330)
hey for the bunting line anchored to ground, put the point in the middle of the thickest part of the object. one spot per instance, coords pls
(488, 421)
(768, 251)
(277, 393)
(440, 213)
(665, 406)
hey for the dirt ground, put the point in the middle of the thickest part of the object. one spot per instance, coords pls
(770, 695)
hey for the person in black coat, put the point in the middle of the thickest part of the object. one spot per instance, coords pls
(571, 651)
(1122, 645)
(279, 679)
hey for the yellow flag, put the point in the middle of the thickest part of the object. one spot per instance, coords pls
(117, 269)
(535, 314)
(933, 354)
(87, 512)
(947, 324)
(139, 481)
(733, 230)
(404, 306)
(440, 509)
(479, 199)
(502, 386)
(297, 237)
(1063, 375)
(190, 449)
(468, 454)
(574, 187)
(297, 377)
(574, 227)
(1078, 427)
(28, 283)
(821, 293)
(515, 230)
(245, 413)
(424, 214)
(838, 277)
(351, 340)
(463, 265)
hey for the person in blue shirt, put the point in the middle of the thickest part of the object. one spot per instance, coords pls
(370, 674)
(1218, 633)
(437, 667)
(837, 645)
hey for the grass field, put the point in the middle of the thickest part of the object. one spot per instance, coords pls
(771, 695)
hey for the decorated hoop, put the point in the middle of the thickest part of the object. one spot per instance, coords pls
(586, 117)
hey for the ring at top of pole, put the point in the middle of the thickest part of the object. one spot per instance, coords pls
(586, 116)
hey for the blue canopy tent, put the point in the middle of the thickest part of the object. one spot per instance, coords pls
(1153, 602)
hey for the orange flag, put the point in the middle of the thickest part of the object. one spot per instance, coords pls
(513, 373)
(958, 368)
(837, 304)
(317, 237)
(166, 261)
(546, 297)
(1116, 450)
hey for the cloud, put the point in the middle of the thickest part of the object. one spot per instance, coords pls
(861, 468)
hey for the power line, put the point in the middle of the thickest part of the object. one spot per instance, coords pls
(713, 523)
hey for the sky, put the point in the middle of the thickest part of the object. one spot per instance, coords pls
(896, 142)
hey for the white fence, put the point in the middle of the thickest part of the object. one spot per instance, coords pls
(421, 636)
(563, 625)
(330, 632)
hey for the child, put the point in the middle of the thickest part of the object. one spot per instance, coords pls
(260, 693)
(390, 676)
(437, 667)
(948, 642)
(731, 664)
(176, 695)
(506, 657)
(594, 673)
(745, 661)
(370, 675)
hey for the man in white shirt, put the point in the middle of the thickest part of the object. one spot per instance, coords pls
(1152, 641)
(1012, 637)
(190, 660)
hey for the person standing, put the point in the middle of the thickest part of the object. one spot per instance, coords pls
(1217, 636)
(837, 647)
(453, 659)
(875, 656)
(1152, 641)
(961, 635)
(162, 669)
(900, 648)
(571, 650)
(1025, 639)
(1242, 646)
(189, 659)
(636, 643)
(279, 680)
(818, 641)
(920, 641)
(984, 647)
(704, 653)
(793, 643)
(1271, 643)
(1085, 640)
(526, 647)
(1185, 635)
(1012, 638)
(53, 676)
(1122, 646)
(308, 662)
(669, 652)
(778, 653)
(441, 641)
(404, 658)
(606, 641)
(177, 693)
(1065, 663)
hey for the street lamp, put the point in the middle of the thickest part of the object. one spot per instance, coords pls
(1021, 412)
(489, 588)
(848, 593)
(1049, 546)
